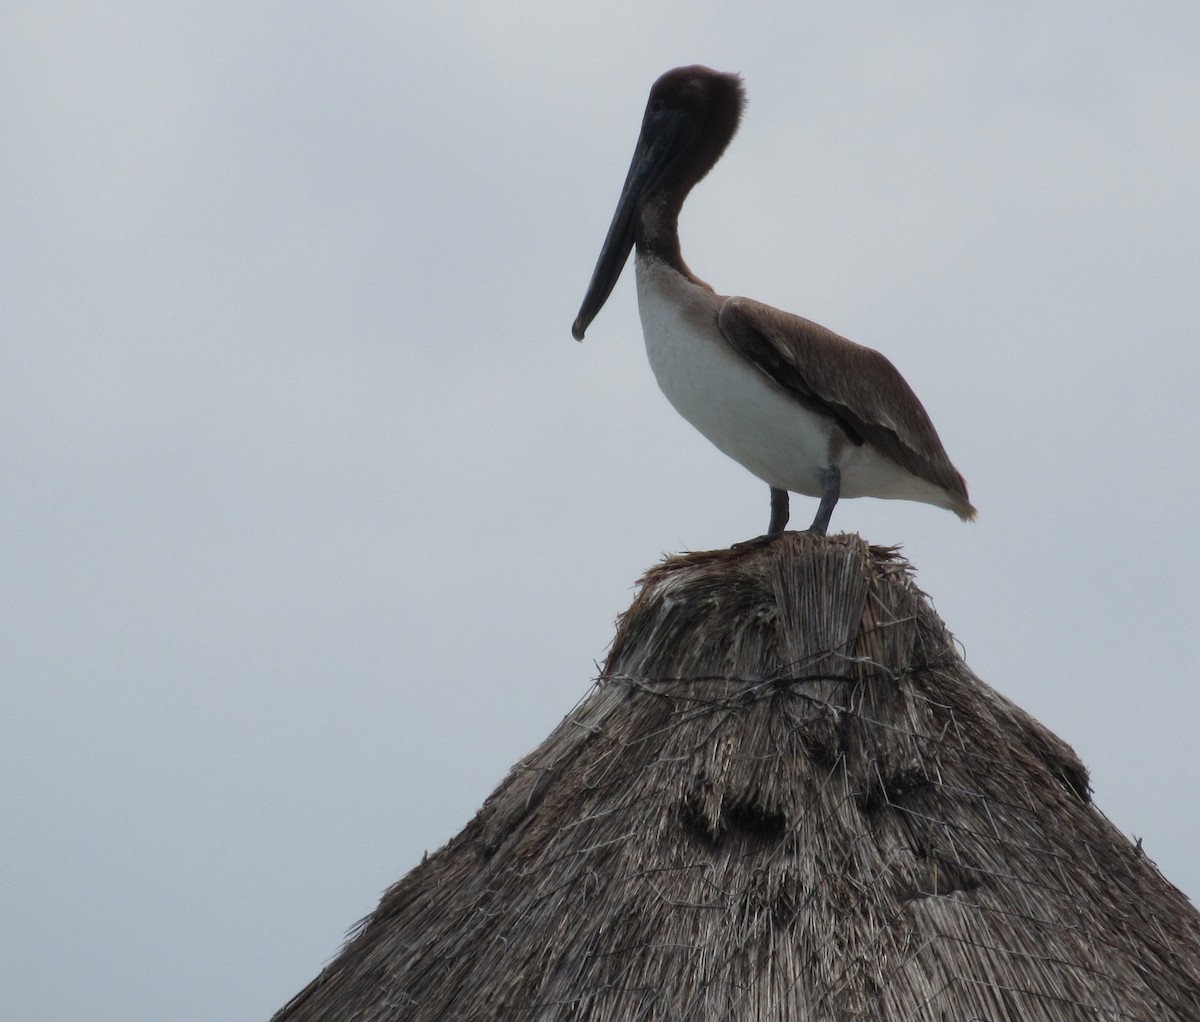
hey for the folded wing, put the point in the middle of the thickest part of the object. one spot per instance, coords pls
(859, 388)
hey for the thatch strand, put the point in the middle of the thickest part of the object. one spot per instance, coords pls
(787, 798)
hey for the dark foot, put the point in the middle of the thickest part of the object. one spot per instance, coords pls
(756, 542)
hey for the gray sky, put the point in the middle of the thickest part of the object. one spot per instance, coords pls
(315, 518)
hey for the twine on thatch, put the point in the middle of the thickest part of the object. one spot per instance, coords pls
(787, 798)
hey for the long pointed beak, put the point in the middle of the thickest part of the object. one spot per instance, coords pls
(664, 136)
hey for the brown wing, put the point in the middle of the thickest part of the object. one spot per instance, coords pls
(858, 387)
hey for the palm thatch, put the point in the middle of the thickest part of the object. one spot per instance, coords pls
(787, 798)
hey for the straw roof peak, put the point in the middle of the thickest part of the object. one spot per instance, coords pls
(786, 797)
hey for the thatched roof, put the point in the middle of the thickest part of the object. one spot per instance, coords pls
(787, 797)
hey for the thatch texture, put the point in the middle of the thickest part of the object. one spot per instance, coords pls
(787, 797)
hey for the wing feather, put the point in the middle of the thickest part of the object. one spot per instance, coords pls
(858, 387)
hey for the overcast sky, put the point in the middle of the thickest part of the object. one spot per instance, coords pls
(315, 519)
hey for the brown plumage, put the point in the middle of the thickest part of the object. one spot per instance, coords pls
(852, 384)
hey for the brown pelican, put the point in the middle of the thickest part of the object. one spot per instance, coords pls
(803, 409)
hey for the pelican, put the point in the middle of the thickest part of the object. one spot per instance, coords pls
(805, 410)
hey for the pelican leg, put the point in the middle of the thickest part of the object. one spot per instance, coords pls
(831, 487)
(779, 512)
(779, 518)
